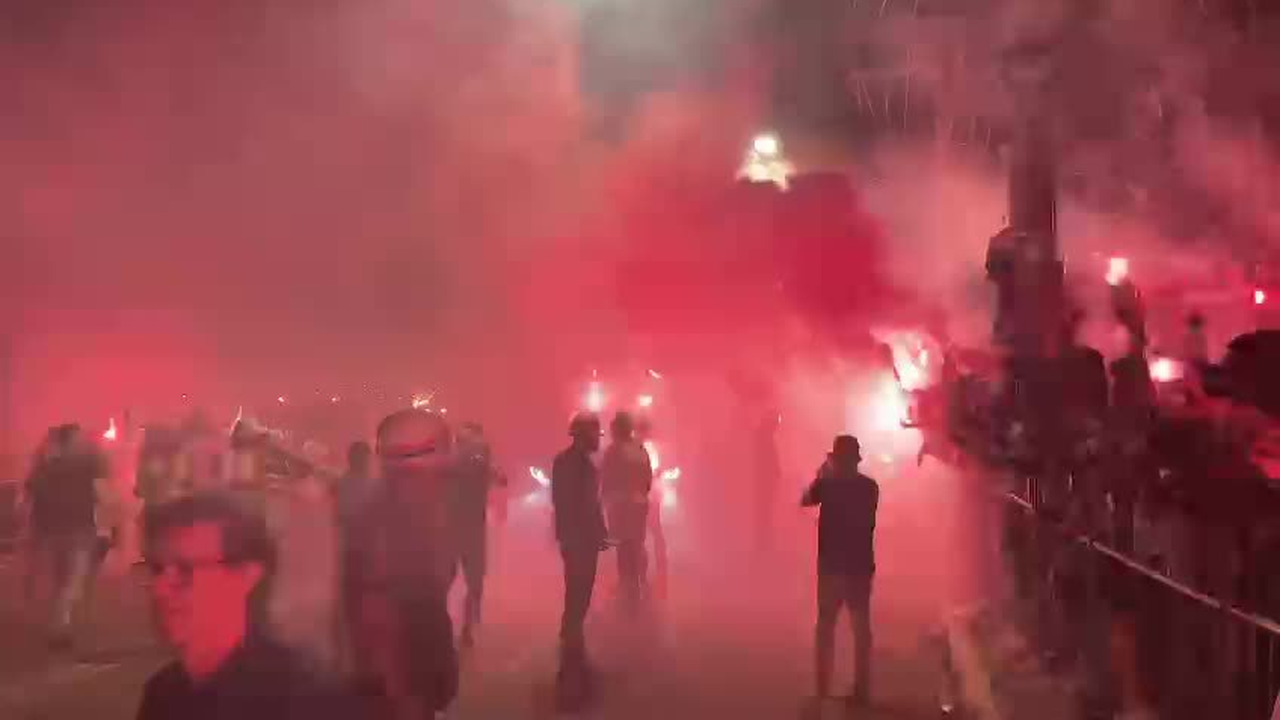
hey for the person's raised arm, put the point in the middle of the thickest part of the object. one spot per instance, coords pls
(812, 495)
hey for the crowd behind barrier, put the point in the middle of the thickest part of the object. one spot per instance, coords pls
(1170, 628)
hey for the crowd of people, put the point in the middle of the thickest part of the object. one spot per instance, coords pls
(411, 512)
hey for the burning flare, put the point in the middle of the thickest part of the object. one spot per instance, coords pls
(110, 434)
(1117, 270)
(1166, 370)
(594, 399)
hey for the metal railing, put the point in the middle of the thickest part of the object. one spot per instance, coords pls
(1137, 637)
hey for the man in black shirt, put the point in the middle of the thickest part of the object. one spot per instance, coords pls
(581, 533)
(209, 561)
(846, 560)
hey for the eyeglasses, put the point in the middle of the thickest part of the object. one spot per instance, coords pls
(184, 571)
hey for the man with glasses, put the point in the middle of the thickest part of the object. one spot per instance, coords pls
(209, 562)
(400, 562)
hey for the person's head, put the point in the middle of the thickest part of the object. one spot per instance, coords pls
(209, 559)
(360, 458)
(623, 427)
(415, 449)
(846, 452)
(585, 431)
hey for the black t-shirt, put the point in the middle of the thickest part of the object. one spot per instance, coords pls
(575, 495)
(63, 497)
(847, 522)
(260, 681)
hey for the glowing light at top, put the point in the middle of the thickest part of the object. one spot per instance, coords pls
(1259, 297)
(334, 399)
(655, 374)
(1117, 270)
(765, 162)
(110, 434)
(420, 401)
(594, 400)
(645, 401)
(766, 145)
(670, 475)
(539, 476)
(280, 399)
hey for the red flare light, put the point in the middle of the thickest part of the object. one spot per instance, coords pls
(110, 434)
(1117, 270)
(1259, 297)
(1165, 370)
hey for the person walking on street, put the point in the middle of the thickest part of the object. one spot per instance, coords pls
(582, 536)
(626, 478)
(400, 557)
(63, 499)
(848, 501)
(475, 479)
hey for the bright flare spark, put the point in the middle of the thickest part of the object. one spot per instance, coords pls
(765, 162)
(655, 374)
(420, 402)
(1166, 370)
(889, 406)
(280, 399)
(669, 499)
(670, 475)
(594, 399)
(645, 401)
(911, 357)
(110, 434)
(1259, 297)
(1117, 270)
(655, 460)
(334, 399)
(767, 145)
(539, 476)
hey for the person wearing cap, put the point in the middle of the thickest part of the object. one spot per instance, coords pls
(626, 477)
(846, 561)
(582, 536)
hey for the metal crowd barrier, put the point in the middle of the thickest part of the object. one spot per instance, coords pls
(1138, 638)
